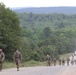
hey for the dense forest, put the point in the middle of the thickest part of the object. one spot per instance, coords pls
(36, 35)
(43, 34)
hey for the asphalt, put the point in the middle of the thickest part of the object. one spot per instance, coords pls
(42, 70)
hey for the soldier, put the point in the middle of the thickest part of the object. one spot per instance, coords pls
(68, 60)
(2, 57)
(75, 62)
(17, 58)
(60, 62)
(48, 59)
(54, 61)
(75, 59)
(63, 62)
(72, 60)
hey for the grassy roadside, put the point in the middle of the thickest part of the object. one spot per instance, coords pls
(32, 62)
(24, 64)
(64, 56)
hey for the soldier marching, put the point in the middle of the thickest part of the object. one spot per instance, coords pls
(68, 60)
(59, 61)
(48, 60)
(54, 60)
(2, 57)
(17, 58)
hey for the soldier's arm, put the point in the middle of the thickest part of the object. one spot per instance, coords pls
(3, 57)
(14, 57)
(20, 56)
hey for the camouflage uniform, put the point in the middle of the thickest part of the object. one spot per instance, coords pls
(68, 60)
(72, 61)
(2, 57)
(17, 59)
(75, 62)
(60, 62)
(48, 59)
(63, 62)
(54, 61)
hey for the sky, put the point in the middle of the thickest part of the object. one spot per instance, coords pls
(38, 3)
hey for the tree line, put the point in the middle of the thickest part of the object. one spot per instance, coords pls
(36, 35)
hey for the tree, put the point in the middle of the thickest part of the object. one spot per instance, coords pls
(47, 32)
(9, 31)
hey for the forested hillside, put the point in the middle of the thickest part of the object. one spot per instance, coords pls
(43, 34)
(36, 35)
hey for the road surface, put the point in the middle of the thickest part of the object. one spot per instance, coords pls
(42, 70)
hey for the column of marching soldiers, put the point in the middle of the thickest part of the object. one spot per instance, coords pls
(61, 62)
(17, 57)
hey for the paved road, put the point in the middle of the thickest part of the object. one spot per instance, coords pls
(42, 70)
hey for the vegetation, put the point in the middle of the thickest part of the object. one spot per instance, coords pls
(42, 34)
(10, 31)
(36, 34)
(65, 56)
(32, 62)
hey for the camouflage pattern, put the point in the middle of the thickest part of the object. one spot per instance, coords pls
(60, 62)
(17, 58)
(63, 62)
(68, 60)
(48, 60)
(54, 60)
(2, 57)
(72, 61)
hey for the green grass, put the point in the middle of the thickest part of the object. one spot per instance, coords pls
(33, 63)
(24, 64)
(65, 56)
(9, 65)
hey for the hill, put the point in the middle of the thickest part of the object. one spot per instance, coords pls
(46, 10)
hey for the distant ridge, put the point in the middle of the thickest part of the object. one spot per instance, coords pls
(46, 10)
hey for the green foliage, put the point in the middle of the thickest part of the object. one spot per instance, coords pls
(43, 34)
(9, 31)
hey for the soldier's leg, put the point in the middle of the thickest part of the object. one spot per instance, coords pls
(75, 62)
(49, 63)
(17, 64)
(0, 66)
(67, 63)
(60, 63)
(18, 67)
(54, 63)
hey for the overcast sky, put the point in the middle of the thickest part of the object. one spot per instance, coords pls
(38, 3)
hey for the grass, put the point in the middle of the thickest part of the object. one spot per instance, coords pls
(24, 64)
(9, 65)
(32, 62)
(65, 56)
